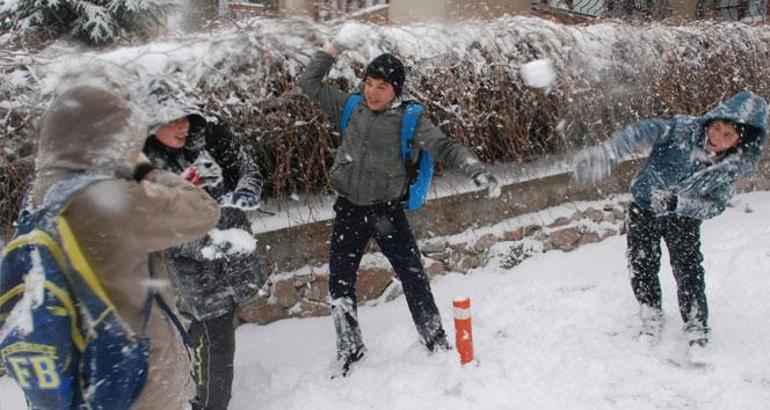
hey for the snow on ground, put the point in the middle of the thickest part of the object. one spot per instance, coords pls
(554, 332)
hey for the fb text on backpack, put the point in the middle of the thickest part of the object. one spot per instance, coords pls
(61, 337)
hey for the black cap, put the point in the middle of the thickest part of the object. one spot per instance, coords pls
(388, 68)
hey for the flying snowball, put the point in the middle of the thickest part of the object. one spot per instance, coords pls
(538, 73)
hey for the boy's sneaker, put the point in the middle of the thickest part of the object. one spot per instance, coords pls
(345, 360)
(652, 319)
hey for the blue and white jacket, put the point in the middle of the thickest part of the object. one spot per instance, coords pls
(679, 165)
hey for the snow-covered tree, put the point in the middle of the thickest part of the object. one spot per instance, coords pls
(93, 21)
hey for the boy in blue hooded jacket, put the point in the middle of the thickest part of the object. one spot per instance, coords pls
(689, 176)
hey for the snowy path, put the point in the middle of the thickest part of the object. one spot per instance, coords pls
(555, 332)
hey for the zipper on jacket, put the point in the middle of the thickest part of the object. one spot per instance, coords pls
(364, 150)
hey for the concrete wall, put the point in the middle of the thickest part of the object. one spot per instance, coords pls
(289, 249)
(300, 253)
(296, 7)
(408, 11)
(404, 11)
(684, 9)
(487, 9)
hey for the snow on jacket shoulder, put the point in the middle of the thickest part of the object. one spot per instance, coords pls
(679, 164)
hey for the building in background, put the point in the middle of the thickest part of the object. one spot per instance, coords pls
(405, 11)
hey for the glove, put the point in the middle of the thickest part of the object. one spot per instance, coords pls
(663, 202)
(351, 36)
(242, 199)
(191, 174)
(593, 164)
(141, 171)
(142, 167)
(486, 181)
(204, 171)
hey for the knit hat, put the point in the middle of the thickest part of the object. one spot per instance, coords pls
(389, 69)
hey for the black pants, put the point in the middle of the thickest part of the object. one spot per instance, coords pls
(682, 236)
(214, 348)
(353, 227)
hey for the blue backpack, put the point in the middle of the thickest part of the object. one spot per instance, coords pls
(61, 337)
(421, 174)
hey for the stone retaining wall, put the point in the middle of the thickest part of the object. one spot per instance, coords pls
(298, 255)
(303, 293)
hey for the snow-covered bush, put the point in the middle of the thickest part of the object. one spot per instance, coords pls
(466, 74)
(93, 21)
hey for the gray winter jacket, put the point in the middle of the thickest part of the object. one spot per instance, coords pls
(214, 275)
(367, 166)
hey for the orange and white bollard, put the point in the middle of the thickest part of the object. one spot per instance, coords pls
(463, 329)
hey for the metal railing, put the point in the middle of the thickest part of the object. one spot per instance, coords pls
(733, 10)
(730, 10)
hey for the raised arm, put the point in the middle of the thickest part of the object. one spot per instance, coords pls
(330, 99)
(235, 162)
(640, 135)
(595, 163)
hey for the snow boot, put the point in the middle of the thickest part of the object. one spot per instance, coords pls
(437, 342)
(652, 319)
(697, 336)
(342, 366)
(350, 346)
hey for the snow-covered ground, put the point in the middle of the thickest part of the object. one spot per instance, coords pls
(554, 332)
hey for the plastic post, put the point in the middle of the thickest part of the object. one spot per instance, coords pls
(463, 329)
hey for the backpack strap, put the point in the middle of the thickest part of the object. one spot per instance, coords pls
(411, 117)
(60, 193)
(350, 106)
(153, 295)
(173, 318)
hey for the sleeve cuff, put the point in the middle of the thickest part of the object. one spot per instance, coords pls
(141, 171)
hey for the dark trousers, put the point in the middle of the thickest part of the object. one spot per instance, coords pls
(682, 236)
(214, 348)
(353, 227)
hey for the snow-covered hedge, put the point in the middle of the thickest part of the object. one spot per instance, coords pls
(466, 73)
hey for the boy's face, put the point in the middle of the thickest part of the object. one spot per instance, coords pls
(174, 134)
(721, 136)
(378, 93)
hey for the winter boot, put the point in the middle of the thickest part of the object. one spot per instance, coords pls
(350, 347)
(437, 341)
(697, 336)
(345, 360)
(652, 319)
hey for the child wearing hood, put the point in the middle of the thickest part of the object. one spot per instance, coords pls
(689, 176)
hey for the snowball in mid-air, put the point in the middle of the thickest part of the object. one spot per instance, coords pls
(538, 73)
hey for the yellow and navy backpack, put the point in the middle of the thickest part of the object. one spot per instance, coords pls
(61, 337)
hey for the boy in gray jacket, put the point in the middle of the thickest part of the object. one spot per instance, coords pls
(371, 179)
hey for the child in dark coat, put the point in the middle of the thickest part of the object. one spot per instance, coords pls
(689, 176)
